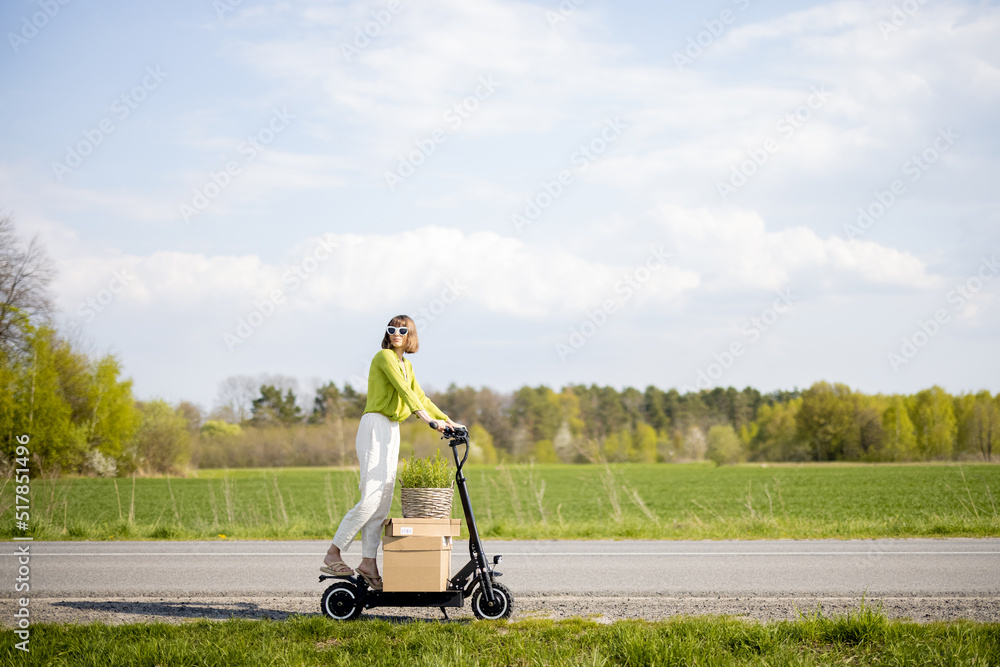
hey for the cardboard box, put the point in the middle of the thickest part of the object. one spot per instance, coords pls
(421, 563)
(423, 527)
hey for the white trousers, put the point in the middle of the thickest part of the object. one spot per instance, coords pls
(378, 451)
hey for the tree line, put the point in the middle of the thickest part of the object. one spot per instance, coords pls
(579, 423)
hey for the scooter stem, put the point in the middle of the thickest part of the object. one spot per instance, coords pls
(476, 551)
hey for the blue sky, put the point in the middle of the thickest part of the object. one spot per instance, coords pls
(616, 193)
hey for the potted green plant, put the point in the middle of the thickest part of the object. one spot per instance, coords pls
(427, 490)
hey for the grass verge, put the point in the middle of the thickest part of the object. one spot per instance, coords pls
(863, 637)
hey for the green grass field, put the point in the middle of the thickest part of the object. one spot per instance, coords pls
(644, 501)
(865, 637)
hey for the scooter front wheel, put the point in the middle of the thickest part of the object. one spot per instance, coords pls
(340, 601)
(503, 603)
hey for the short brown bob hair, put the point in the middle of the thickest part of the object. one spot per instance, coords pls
(410, 341)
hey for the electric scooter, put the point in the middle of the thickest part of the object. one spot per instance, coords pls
(349, 596)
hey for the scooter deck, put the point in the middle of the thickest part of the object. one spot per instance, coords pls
(372, 598)
(413, 599)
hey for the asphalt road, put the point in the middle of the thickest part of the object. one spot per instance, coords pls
(773, 569)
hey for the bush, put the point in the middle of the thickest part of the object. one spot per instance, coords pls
(724, 445)
(162, 443)
(426, 473)
(544, 452)
(481, 449)
(215, 428)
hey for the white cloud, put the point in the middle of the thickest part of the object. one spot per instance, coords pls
(362, 273)
(734, 250)
(161, 279)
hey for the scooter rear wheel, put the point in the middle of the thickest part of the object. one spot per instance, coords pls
(340, 601)
(503, 603)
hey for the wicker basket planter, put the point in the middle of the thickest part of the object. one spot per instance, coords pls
(426, 503)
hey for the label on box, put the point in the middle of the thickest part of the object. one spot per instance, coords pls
(422, 527)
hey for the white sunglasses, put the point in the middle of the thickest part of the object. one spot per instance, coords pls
(392, 330)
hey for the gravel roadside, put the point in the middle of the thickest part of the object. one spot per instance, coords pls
(602, 609)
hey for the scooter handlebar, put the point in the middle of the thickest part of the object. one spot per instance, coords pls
(450, 432)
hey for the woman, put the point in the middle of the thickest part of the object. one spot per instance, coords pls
(393, 393)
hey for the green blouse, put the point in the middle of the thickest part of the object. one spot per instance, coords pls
(392, 394)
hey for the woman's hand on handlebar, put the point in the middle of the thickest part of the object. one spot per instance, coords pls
(439, 424)
(454, 425)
